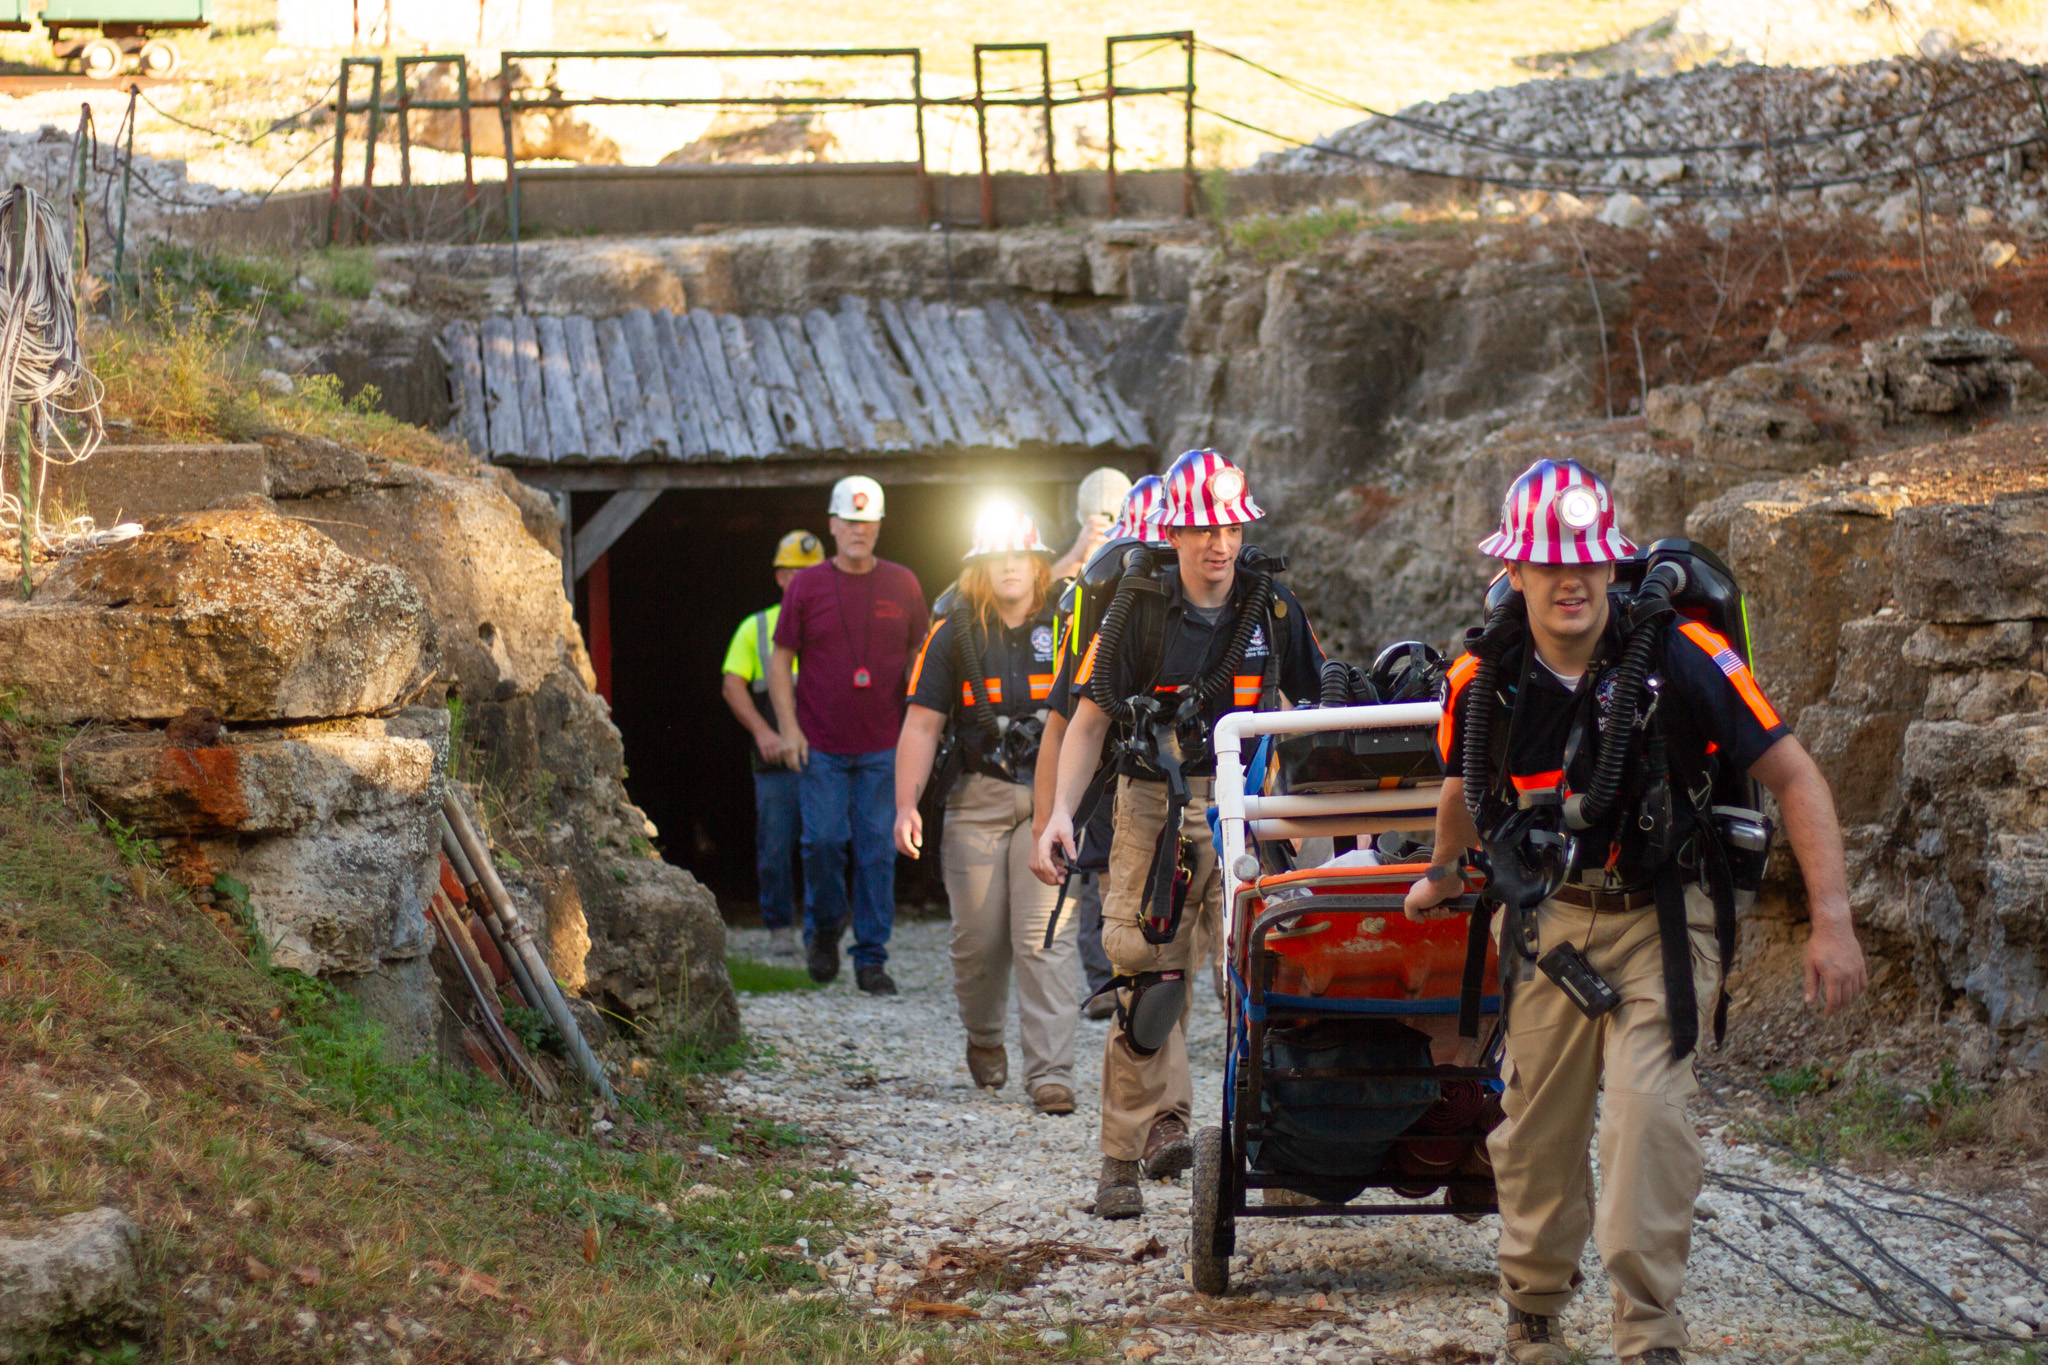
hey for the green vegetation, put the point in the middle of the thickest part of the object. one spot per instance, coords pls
(1274, 237)
(182, 353)
(281, 1165)
(1862, 1115)
(762, 978)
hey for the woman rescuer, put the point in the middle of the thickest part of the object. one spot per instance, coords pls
(984, 679)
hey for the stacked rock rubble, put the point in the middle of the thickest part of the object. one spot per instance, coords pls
(1720, 138)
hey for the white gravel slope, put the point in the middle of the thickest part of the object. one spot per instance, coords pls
(887, 1079)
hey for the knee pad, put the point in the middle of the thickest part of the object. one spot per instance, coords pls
(1148, 1018)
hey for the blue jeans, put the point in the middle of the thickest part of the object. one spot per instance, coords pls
(849, 804)
(775, 845)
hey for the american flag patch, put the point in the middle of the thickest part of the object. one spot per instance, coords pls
(1730, 664)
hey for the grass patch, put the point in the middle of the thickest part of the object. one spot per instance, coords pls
(1270, 238)
(182, 352)
(1864, 1116)
(302, 1197)
(763, 978)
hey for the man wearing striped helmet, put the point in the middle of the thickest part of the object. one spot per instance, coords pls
(1207, 631)
(1605, 747)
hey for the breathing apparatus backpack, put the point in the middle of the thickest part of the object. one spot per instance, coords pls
(1682, 827)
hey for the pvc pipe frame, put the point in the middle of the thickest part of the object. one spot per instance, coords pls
(1231, 802)
(522, 940)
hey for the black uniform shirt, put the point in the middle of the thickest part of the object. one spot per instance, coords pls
(1017, 662)
(1710, 704)
(1193, 645)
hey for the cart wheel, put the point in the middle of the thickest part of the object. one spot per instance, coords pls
(160, 57)
(1210, 1240)
(100, 58)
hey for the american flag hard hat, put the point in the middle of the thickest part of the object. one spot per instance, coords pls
(1204, 489)
(1139, 519)
(1558, 512)
(1004, 528)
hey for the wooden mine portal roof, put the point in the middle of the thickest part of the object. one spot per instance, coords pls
(921, 390)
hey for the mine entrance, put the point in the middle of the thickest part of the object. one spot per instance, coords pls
(679, 581)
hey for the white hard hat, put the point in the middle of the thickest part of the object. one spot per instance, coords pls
(1101, 494)
(856, 498)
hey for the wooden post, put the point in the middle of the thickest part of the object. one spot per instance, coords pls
(600, 624)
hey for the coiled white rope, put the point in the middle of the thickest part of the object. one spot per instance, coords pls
(43, 376)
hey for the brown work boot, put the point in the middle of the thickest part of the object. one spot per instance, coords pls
(1168, 1149)
(1533, 1340)
(1116, 1190)
(1053, 1098)
(1656, 1355)
(990, 1066)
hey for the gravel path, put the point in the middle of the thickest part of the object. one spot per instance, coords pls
(887, 1079)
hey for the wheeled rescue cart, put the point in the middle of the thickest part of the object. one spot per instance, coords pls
(1364, 1048)
(102, 35)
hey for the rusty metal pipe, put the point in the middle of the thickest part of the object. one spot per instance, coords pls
(480, 901)
(550, 990)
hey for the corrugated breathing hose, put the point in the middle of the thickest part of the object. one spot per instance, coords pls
(1583, 810)
(980, 715)
(1478, 702)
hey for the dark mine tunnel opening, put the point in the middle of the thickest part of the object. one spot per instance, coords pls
(679, 582)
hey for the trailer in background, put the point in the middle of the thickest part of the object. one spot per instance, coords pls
(102, 36)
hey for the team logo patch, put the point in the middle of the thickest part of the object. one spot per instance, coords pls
(1258, 644)
(1041, 641)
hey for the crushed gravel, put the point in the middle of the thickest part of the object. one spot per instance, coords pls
(978, 1172)
(1862, 127)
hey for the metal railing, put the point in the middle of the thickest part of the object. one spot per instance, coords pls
(510, 103)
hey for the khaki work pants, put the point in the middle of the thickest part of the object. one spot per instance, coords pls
(1651, 1162)
(999, 915)
(1137, 1092)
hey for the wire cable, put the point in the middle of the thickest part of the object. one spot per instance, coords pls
(318, 101)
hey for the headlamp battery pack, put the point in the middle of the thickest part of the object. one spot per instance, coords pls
(1583, 986)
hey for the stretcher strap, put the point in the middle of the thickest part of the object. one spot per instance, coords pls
(1319, 1004)
(1476, 939)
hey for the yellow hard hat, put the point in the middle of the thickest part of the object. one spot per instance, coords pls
(798, 550)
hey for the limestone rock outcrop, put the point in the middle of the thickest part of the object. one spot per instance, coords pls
(70, 1273)
(1900, 615)
(238, 612)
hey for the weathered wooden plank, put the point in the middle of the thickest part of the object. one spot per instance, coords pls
(746, 379)
(558, 388)
(880, 409)
(1093, 371)
(466, 367)
(586, 363)
(533, 405)
(608, 523)
(810, 382)
(854, 421)
(738, 436)
(1098, 424)
(778, 381)
(952, 353)
(935, 408)
(857, 330)
(502, 423)
(1000, 377)
(1063, 426)
(657, 408)
(689, 389)
(959, 401)
(622, 385)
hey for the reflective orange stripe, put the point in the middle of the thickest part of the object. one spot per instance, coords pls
(1041, 686)
(995, 692)
(1244, 689)
(1538, 782)
(1737, 672)
(1460, 674)
(1087, 668)
(917, 670)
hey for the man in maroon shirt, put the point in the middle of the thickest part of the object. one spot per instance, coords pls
(854, 621)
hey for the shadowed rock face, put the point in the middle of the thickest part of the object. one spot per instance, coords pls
(242, 613)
